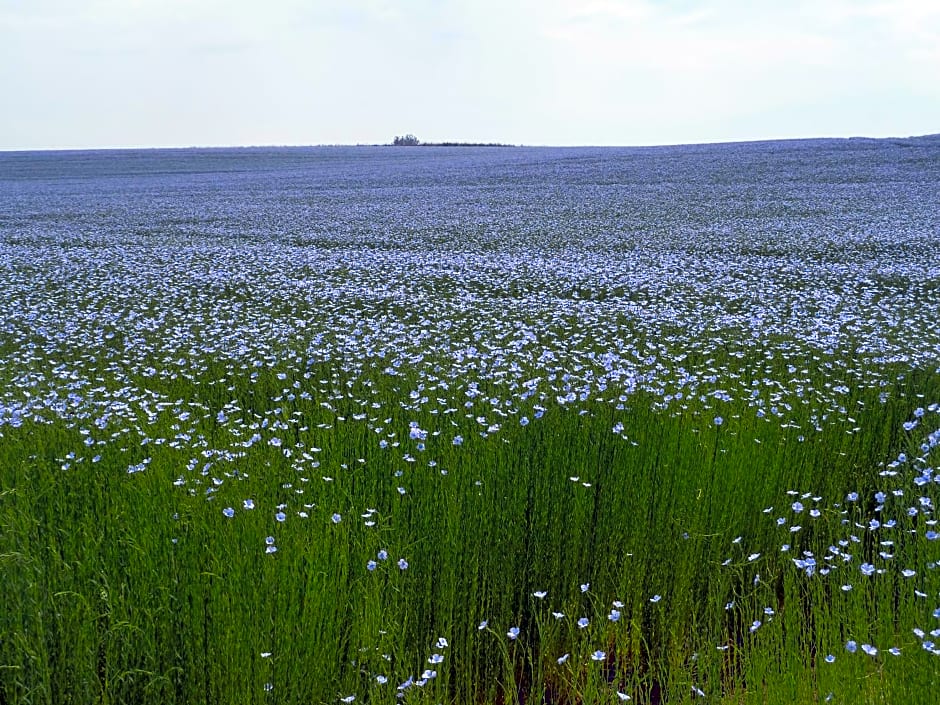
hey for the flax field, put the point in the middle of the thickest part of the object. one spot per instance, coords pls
(471, 426)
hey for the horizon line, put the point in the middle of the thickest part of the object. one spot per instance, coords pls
(457, 143)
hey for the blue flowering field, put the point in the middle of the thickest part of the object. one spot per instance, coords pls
(471, 425)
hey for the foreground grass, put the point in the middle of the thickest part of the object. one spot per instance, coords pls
(126, 581)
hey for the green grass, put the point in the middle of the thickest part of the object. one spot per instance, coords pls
(127, 588)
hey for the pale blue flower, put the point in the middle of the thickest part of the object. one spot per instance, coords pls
(229, 512)
(598, 655)
(513, 633)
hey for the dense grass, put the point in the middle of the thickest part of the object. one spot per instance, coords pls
(126, 587)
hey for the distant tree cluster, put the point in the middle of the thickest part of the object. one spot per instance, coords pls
(408, 140)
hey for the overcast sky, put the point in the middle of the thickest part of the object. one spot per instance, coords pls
(115, 73)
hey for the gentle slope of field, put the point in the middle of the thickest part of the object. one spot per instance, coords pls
(470, 425)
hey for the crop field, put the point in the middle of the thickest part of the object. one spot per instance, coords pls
(471, 426)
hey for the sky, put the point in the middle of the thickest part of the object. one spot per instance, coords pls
(163, 73)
